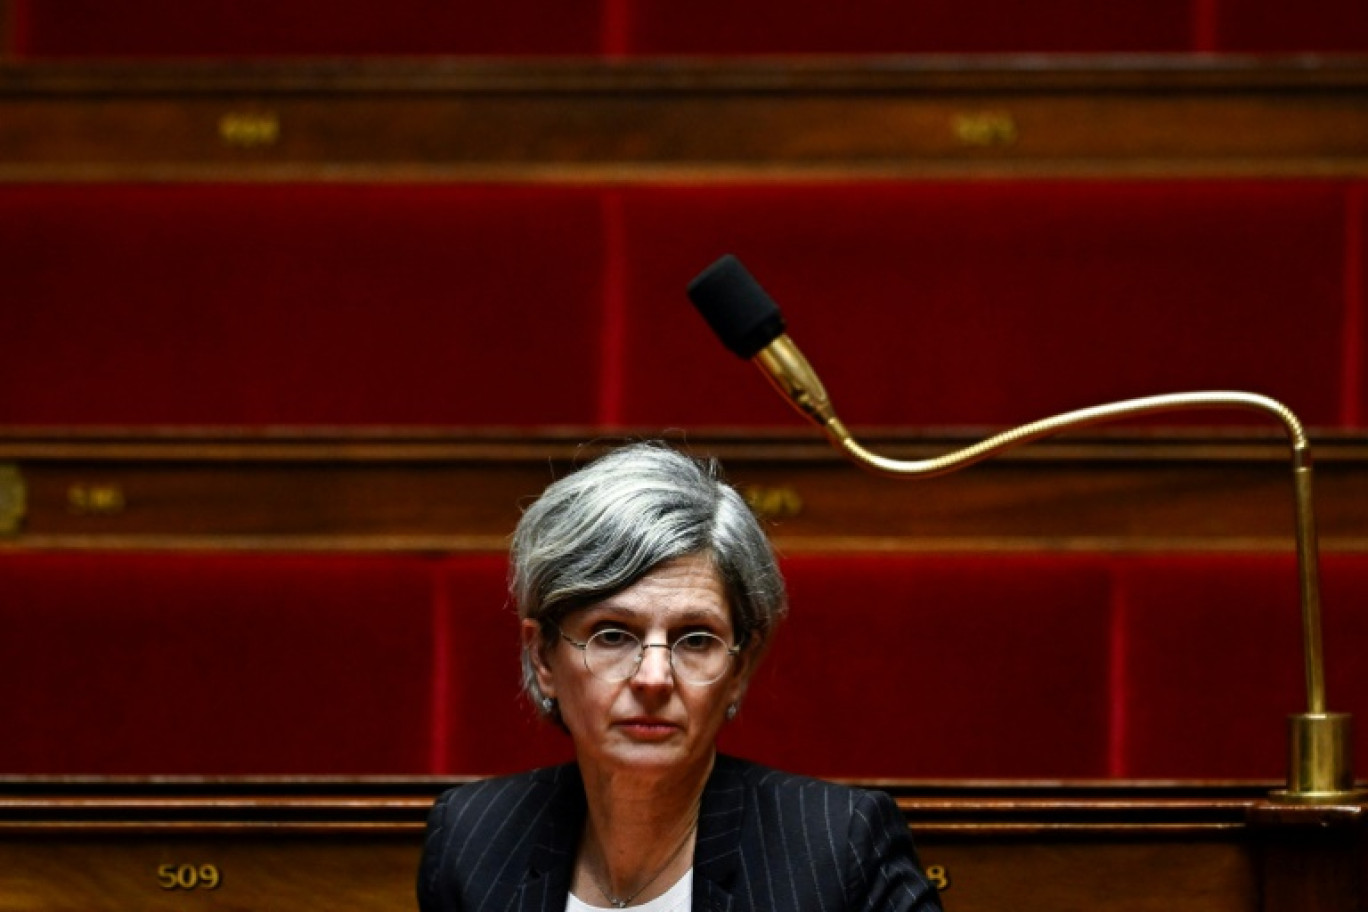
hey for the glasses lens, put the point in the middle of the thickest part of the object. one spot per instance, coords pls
(700, 658)
(612, 655)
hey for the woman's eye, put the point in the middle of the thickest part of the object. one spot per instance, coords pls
(613, 637)
(696, 642)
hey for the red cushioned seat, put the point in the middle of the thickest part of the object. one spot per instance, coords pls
(968, 303)
(936, 665)
(336, 28)
(311, 304)
(897, 27)
(1264, 26)
(488, 726)
(1355, 412)
(1213, 661)
(889, 666)
(214, 664)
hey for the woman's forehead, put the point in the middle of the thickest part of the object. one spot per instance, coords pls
(683, 589)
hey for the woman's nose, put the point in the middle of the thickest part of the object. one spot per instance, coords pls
(655, 665)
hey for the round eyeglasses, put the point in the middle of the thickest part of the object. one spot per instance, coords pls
(614, 655)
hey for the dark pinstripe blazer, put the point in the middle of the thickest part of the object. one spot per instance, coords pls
(767, 842)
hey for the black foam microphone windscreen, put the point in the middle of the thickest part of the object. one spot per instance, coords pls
(744, 317)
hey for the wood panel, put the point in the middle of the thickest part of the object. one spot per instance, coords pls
(409, 491)
(669, 119)
(354, 845)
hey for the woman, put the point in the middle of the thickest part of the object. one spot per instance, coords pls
(648, 592)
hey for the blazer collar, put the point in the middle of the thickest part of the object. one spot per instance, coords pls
(717, 850)
(553, 854)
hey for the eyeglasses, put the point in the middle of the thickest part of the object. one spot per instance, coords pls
(614, 655)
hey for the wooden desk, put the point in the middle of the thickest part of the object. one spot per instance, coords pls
(353, 845)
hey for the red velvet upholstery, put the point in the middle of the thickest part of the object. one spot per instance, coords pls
(897, 26)
(936, 665)
(452, 305)
(1211, 665)
(890, 665)
(489, 726)
(993, 303)
(1263, 26)
(1213, 661)
(165, 28)
(209, 664)
(1356, 304)
(238, 28)
(299, 304)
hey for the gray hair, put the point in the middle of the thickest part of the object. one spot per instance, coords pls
(596, 532)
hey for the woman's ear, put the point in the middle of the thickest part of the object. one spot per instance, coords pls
(746, 660)
(537, 649)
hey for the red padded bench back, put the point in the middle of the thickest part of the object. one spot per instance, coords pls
(891, 665)
(299, 304)
(947, 666)
(259, 27)
(921, 303)
(214, 664)
(1212, 662)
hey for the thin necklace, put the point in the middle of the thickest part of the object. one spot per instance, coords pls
(623, 903)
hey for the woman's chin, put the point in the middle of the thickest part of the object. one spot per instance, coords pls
(651, 752)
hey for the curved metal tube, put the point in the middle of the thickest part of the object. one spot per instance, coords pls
(785, 367)
(1307, 558)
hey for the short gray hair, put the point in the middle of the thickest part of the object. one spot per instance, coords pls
(597, 531)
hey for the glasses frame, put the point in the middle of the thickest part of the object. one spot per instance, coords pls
(583, 647)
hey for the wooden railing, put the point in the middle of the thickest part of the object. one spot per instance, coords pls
(649, 119)
(373, 490)
(354, 845)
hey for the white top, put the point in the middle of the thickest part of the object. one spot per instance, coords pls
(678, 898)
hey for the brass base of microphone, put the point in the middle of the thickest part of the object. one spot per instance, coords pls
(1321, 766)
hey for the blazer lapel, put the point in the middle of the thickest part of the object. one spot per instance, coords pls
(551, 863)
(717, 852)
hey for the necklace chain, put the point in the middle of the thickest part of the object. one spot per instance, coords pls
(622, 903)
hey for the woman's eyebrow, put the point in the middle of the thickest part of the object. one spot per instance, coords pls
(671, 618)
(609, 608)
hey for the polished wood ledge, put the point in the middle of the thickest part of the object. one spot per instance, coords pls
(667, 119)
(433, 491)
(69, 844)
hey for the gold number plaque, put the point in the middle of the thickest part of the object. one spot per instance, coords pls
(940, 876)
(985, 128)
(95, 499)
(246, 130)
(773, 502)
(189, 877)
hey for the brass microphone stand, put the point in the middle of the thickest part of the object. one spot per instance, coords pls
(1321, 767)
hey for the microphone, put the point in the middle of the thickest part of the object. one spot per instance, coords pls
(742, 314)
(747, 320)
(749, 323)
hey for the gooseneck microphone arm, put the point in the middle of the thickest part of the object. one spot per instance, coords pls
(750, 324)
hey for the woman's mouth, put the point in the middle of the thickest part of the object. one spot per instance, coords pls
(647, 729)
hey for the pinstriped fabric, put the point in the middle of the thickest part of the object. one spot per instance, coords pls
(766, 841)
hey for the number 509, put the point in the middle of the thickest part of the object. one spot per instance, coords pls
(188, 877)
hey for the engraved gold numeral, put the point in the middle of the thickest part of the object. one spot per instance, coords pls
(189, 877)
(773, 503)
(985, 128)
(939, 875)
(249, 130)
(95, 499)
